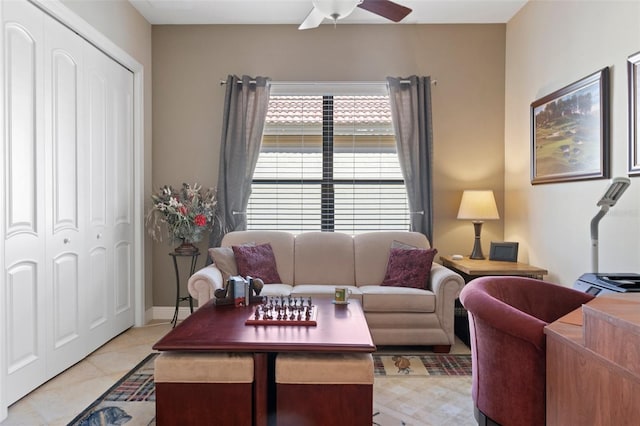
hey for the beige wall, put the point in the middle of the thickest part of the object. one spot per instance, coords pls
(468, 102)
(119, 21)
(550, 45)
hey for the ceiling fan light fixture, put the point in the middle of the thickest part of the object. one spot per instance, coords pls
(336, 9)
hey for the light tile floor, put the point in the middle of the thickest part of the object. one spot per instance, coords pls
(62, 398)
(399, 401)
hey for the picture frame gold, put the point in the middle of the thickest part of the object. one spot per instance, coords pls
(570, 132)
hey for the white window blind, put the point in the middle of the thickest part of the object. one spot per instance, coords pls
(328, 162)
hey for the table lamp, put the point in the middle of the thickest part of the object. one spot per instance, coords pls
(477, 206)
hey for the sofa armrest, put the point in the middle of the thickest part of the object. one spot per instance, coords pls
(204, 282)
(446, 285)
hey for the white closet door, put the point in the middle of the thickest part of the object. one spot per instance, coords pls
(120, 172)
(65, 197)
(109, 289)
(24, 262)
(96, 295)
(68, 199)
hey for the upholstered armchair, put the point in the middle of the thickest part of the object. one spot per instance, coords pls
(507, 316)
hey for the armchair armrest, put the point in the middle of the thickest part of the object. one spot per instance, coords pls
(493, 312)
(446, 285)
(204, 282)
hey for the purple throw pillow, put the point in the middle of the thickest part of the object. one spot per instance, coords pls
(257, 262)
(409, 268)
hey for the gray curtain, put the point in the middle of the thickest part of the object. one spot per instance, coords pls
(245, 110)
(411, 114)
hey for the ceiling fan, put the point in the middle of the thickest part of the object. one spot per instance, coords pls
(338, 9)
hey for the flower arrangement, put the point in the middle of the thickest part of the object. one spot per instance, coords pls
(188, 213)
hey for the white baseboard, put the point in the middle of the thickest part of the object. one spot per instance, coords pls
(166, 313)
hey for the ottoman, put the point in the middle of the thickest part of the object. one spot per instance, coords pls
(324, 389)
(203, 388)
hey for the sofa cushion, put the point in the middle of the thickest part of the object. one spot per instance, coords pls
(324, 258)
(258, 262)
(324, 291)
(371, 252)
(409, 267)
(276, 290)
(401, 245)
(377, 298)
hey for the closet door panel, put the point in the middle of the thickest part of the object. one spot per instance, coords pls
(96, 302)
(66, 317)
(65, 142)
(23, 219)
(22, 144)
(122, 136)
(99, 239)
(25, 338)
(65, 157)
(22, 292)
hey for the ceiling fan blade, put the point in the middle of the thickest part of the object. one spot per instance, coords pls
(386, 8)
(313, 20)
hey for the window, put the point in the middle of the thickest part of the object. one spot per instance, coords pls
(328, 162)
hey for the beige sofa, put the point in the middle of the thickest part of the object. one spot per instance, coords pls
(314, 263)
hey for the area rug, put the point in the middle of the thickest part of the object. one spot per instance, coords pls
(422, 365)
(131, 400)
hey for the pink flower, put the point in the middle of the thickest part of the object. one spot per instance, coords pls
(200, 220)
(182, 210)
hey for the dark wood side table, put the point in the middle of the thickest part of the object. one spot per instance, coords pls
(192, 269)
(474, 268)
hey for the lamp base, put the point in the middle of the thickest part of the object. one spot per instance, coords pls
(476, 253)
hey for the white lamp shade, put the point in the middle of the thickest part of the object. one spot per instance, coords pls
(478, 205)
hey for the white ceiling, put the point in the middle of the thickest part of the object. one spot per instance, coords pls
(295, 11)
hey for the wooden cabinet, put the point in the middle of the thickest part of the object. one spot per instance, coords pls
(593, 367)
(68, 198)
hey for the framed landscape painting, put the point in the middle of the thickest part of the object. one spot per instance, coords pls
(633, 66)
(570, 132)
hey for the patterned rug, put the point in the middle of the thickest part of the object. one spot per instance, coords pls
(132, 399)
(422, 365)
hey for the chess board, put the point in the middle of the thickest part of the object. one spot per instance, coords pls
(283, 313)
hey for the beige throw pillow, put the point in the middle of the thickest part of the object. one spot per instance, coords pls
(224, 259)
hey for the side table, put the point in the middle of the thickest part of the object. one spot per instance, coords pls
(192, 269)
(474, 268)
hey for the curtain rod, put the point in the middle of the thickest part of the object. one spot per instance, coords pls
(223, 82)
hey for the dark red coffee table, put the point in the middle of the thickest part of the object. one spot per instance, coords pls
(339, 329)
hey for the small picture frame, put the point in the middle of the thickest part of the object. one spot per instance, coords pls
(505, 251)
